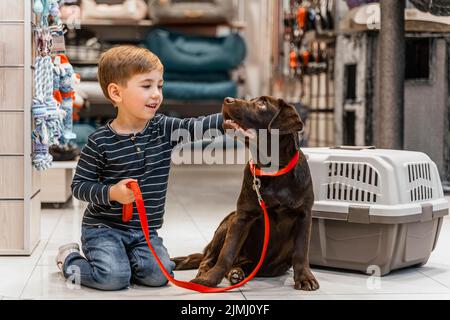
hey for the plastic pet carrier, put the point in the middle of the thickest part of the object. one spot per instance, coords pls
(375, 210)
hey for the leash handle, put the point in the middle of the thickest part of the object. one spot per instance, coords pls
(127, 212)
(134, 186)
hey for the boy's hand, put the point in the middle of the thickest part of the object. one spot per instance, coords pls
(121, 193)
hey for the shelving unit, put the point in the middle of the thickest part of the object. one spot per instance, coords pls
(135, 31)
(109, 22)
(19, 183)
(144, 23)
(57, 180)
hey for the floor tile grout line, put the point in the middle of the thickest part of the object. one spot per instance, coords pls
(29, 277)
(191, 218)
(242, 292)
(363, 294)
(43, 250)
(435, 280)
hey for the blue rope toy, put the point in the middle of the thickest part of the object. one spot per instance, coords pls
(50, 118)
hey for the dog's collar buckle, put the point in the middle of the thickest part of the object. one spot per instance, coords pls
(258, 172)
(256, 187)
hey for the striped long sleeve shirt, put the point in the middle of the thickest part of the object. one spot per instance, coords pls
(109, 157)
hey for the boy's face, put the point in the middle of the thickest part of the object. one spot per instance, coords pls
(142, 96)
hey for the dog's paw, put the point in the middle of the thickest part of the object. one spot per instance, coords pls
(307, 285)
(236, 275)
(204, 282)
(306, 281)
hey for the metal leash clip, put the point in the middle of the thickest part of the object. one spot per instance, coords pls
(256, 187)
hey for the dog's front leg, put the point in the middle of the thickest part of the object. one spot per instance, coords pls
(237, 233)
(303, 277)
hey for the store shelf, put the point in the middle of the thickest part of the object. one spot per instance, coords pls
(147, 23)
(84, 62)
(64, 164)
(115, 22)
(57, 180)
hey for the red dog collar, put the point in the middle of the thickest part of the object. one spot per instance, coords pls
(258, 172)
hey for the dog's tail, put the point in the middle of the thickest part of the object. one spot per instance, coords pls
(192, 261)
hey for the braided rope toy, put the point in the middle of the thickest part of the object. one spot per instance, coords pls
(47, 115)
(40, 135)
(41, 157)
(63, 92)
(46, 111)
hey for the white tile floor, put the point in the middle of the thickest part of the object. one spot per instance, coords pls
(198, 199)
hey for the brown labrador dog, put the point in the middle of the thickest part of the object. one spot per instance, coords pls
(236, 246)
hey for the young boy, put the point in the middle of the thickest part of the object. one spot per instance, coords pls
(136, 145)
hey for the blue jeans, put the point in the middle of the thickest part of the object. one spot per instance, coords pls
(115, 258)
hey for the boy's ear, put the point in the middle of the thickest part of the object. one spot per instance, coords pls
(287, 119)
(114, 92)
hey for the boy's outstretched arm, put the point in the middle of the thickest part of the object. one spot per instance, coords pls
(85, 184)
(193, 129)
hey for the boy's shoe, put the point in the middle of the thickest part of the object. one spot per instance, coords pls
(64, 251)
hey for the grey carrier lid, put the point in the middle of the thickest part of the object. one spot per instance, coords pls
(369, 185)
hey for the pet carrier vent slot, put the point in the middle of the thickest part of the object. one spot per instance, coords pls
(418, 171)
(339, 191)
(420, 183)
(351, 181)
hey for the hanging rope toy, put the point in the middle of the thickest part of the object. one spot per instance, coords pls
(47, 117)
(41, 157)
(46, 8)
(39, 113)
(65, 75)
(46, 113)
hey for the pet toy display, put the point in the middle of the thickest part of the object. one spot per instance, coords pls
(46, 8)
(301, 17)
(53, 83)
(46, 119)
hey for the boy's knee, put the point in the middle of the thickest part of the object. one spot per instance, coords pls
(113, 282)
(155, 277)
(155, 280)
(110, 279)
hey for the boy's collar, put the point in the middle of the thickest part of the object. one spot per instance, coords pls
(128, 135)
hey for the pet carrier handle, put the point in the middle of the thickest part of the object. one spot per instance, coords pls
(353, 147)
(128, 208)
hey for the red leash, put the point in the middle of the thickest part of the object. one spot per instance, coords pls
(128, 214)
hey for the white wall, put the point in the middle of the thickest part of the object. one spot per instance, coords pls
(257, 33)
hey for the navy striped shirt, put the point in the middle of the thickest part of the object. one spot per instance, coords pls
(109, 157)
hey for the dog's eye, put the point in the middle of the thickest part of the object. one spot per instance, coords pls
(260, 104)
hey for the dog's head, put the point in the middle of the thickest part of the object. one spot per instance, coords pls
(264, 112)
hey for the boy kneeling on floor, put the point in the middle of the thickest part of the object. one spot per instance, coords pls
(135, 146)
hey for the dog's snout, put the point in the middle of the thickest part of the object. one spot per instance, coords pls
(229, 100)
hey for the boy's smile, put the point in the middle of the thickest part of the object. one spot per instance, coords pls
(139, 100)
(143, 93)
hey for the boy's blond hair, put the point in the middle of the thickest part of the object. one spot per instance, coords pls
(119, 64)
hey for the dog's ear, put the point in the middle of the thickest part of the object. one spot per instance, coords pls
(286, 120)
